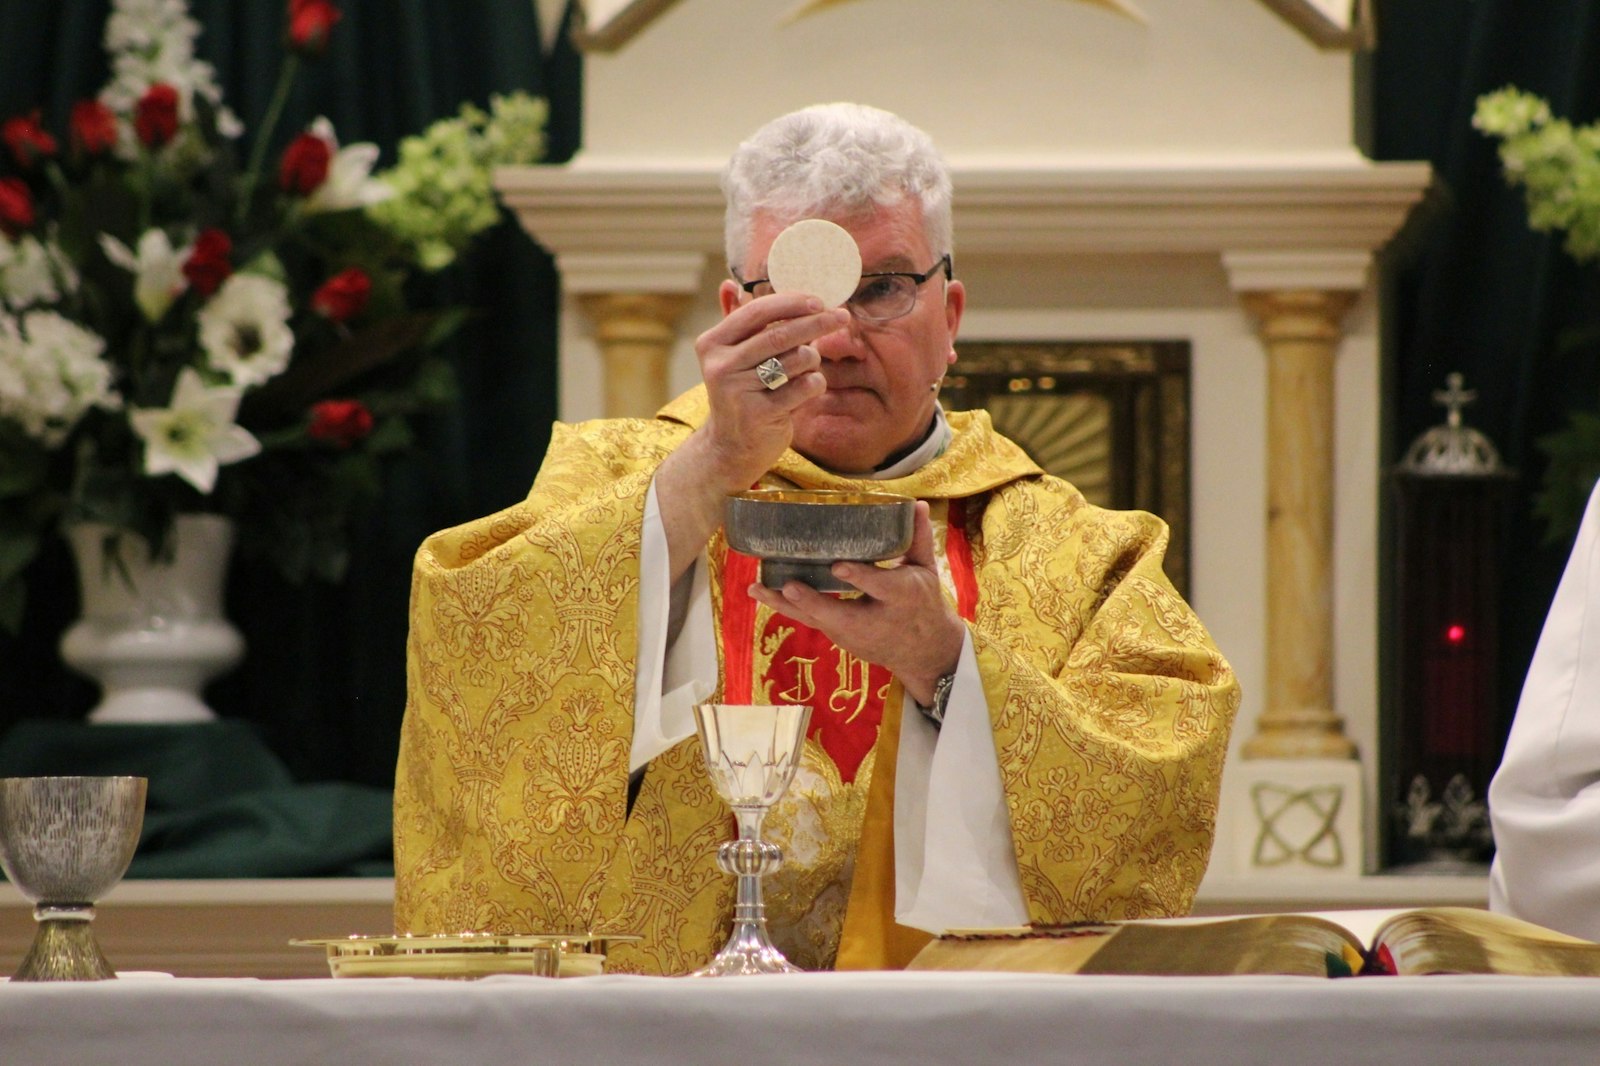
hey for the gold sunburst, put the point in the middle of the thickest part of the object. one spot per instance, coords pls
(1069, 436)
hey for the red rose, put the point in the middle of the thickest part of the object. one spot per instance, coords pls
(343, 296)
(340, 422)
(310, 22)
(155, 117)
(29, 142)
(305, 164)
(16, 207)
(207, 266)
(94, 127)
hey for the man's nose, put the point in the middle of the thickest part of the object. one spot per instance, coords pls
(842, 343)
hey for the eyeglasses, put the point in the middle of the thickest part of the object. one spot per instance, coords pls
(881, 297)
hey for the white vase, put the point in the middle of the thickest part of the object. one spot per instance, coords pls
(153, 632)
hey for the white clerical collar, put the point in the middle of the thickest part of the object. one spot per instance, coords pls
(932, 446)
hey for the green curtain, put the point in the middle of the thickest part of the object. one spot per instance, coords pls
(1473, 289)
(324, 677)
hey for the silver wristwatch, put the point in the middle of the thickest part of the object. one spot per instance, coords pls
(941, 699)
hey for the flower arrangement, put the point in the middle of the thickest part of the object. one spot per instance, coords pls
(182, 331)
(1557, 165)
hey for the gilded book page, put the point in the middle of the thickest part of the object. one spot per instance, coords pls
(1270, 943)
(1260, 944)
(1430, 940)
(1467, 940)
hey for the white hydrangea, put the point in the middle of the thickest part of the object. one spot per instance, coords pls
(244, 329)
(34, 272)
(51, 374)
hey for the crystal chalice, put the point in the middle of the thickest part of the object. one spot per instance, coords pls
(65, 842)
(751, 754)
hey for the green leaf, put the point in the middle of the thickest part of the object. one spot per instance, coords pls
(357, 476)
(435, 384)
(446, 324)
(390, 435)
(18, 548)
(23, 466)
(1570, 476)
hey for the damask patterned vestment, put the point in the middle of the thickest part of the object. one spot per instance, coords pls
(1110, 707)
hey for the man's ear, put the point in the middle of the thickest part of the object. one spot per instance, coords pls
(955, 302)
(729, 295)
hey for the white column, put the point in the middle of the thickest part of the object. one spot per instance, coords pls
(1295, 802)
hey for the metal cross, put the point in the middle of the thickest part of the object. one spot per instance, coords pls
(1453, 398)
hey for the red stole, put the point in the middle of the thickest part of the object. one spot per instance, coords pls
(792, 663)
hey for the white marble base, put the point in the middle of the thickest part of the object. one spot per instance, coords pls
(1290, 818)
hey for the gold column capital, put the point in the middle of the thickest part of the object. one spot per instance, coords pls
(1299, 314)
(636, 332)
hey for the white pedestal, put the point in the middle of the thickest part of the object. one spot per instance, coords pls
(1290, 818)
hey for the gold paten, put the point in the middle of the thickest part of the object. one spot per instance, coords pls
(465, 956)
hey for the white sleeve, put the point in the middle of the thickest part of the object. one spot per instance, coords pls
(670, 675)
(1544, 801)
(955, 867)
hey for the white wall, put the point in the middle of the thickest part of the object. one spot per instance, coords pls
(982, 76)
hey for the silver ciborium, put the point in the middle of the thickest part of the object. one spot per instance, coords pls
(65, 842)
(751, 754)
(798, 534)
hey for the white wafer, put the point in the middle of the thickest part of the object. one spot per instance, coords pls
(815, 256)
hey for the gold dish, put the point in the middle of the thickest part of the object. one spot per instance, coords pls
(465, 956)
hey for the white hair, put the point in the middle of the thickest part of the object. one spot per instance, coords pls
(834, 159)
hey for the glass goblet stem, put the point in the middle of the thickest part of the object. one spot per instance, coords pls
(749, 950)
(750, 860)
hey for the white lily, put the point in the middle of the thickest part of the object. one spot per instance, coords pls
(196, 435)
(244, 329)
(157, 269)
(349, 183)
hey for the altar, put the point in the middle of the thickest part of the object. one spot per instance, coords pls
(866, 1019)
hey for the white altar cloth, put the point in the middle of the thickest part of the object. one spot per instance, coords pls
(805, 1019)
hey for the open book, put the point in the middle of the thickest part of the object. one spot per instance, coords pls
(1424, 941)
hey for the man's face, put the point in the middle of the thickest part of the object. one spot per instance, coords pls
(880, 375)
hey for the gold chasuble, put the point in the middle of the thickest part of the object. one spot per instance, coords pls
(1110, 707)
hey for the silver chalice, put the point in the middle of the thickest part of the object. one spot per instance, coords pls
(751, 754)
(65, 842)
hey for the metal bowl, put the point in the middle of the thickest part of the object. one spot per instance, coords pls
(799, 534)
(69, 839)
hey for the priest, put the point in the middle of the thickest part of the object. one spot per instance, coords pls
(1021, 722)
(1544, 801)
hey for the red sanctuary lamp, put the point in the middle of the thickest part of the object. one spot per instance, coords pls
(1443, 729)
